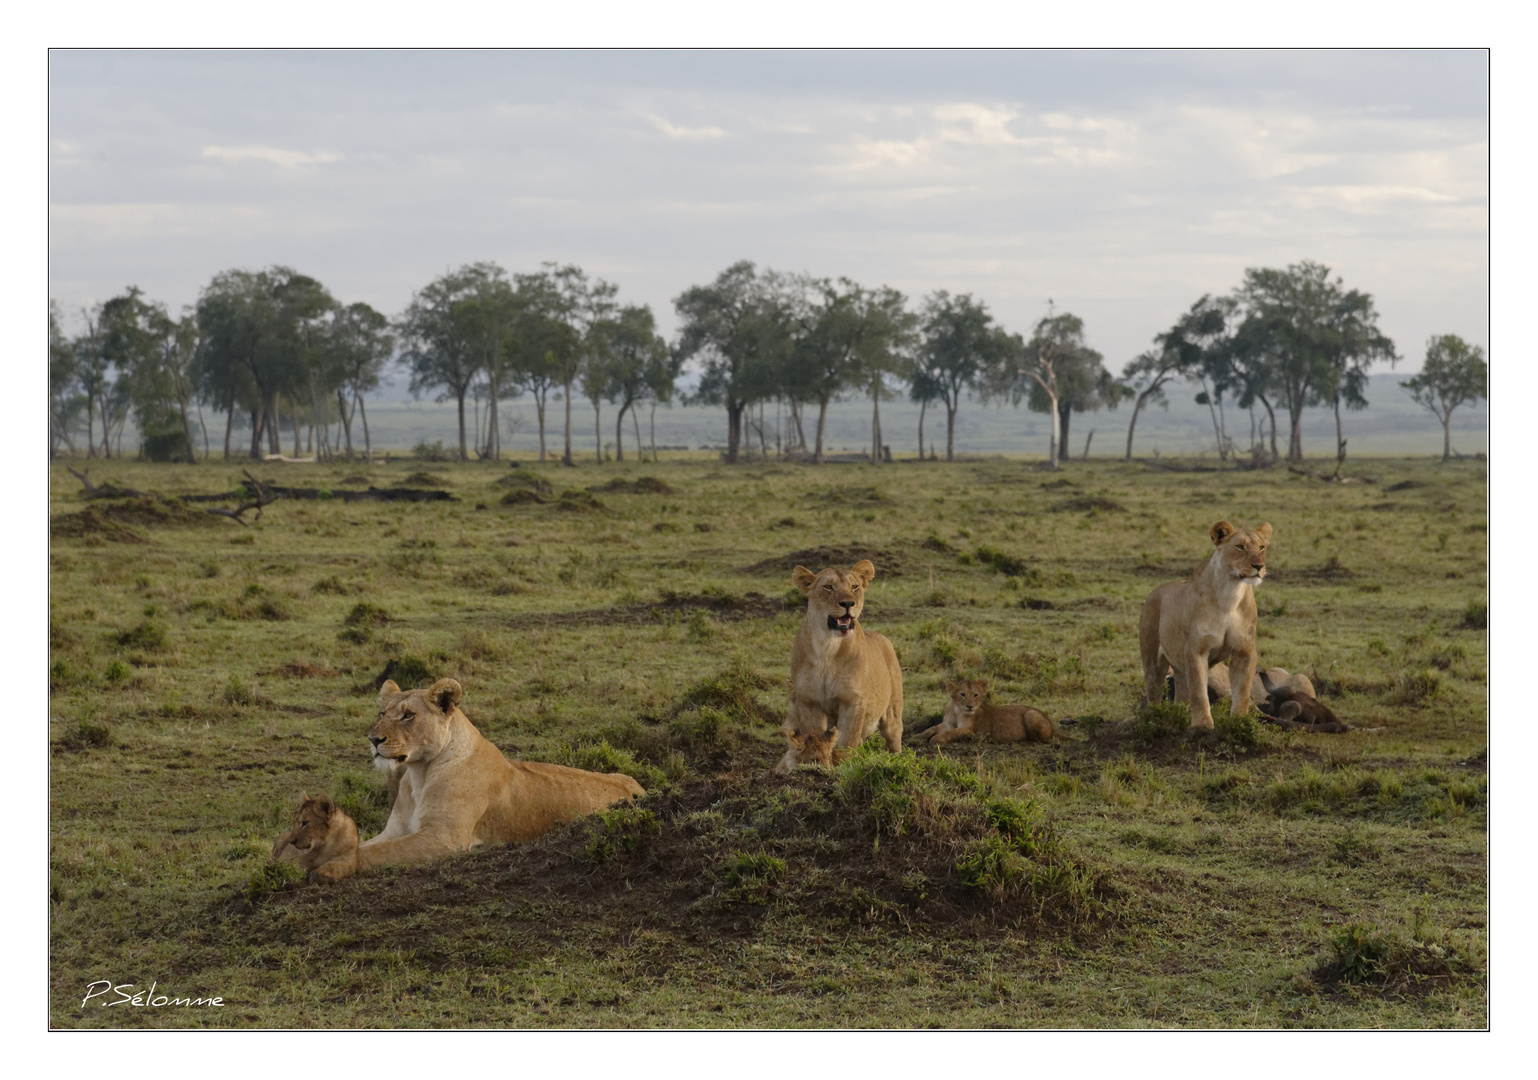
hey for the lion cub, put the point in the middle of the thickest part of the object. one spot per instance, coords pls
(323, 841)
(968, 714)
(812, 747)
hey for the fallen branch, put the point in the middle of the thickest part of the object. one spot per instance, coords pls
(108, 490)
(264, 496)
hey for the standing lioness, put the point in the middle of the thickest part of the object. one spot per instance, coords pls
(1190, 625)
(457, 790)
(841, 675)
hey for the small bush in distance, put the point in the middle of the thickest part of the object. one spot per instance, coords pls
(147, 635)
(87, 735)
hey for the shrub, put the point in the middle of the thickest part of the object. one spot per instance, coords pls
(1160, 721)
(1477, 615)
(603, 758)
(270, 878)
(409, 672)
(1008, 565)
(1240, 732)
(732, 690)
(434, 451)
(117, 671)
(749, 877)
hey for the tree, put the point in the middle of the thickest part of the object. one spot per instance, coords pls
(883, 336)
(153, 355)
(1041, 369)
(538, 342)
(445, 338)
(1312, 335)
(739, 326)
(581, 304)
(634, 359)
(1455, 373)
(1083, 385)
(65, 397)
(256, 332)
(957, 346)
(357, 343)
(1180, 352)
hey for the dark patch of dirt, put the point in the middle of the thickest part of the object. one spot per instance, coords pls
(752, 605)
(1089, 503)
(645, 485)
(1330, 571)
(1064, 483)
(848, 496)
(518, 480)
(889, 562)
(1384, 506)
(1406, 485)
(296, 669)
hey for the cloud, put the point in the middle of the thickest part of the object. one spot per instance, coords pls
(673, 131)
(283, 159)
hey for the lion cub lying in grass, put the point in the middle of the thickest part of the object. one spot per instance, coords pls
(323, 841)
(968, 714)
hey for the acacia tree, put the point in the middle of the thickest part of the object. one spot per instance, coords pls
(1180, 352)
(539, 341)
(957, 346)
(581, 304)
(153, 354)
(883, 336)
(444, 339)
(636, 359)
(1083, 385)
(357, 343)
(256, 331)
(1026, 369)
(1313, 334)
(1454, 373)
(739, 326)
(819, 363)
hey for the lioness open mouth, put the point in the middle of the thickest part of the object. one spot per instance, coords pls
(841, 623)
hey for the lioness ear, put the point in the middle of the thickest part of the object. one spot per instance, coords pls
(388, 689)
(982, 685)
(1264, 532)
(865, 570)
(445, 693)
(803, 578)
(304, 796)
(325, 805)
(1221, 531)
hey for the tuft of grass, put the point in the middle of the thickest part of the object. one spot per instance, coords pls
(1008, 565)
(87, 736)
(270, 878)
(603, 757)
(1414, 687)
(733, 689)
(117, 671)
(1477, 615)
(1160, 722)
(148, 635)
(619, 831)
(365, 799)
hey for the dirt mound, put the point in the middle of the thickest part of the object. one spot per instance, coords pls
(645, 485)
(729, 607)
(519, 480)
(113, 520)
(893, 840)
(890, 562)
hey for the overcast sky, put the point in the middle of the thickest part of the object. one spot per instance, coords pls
(1123, 185)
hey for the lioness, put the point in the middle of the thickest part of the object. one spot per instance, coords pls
(841, 675)
(1189, 625)
(323, 841)
(968, 714)
(456, 789)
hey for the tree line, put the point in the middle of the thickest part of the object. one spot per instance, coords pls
(274, 347)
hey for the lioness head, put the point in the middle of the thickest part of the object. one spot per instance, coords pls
(413, 725)
(967, 696)
(813, 747)
(1242, 551)
(313, 821)
(837, 594)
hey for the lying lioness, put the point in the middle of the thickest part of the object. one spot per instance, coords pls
(323, 841)
(457, 791)
(1190, 625)
(841, 675)
(967, 713)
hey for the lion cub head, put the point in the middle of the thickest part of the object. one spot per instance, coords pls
(812, 747)
(413, 725)
(314, 821)
(967, 696)
(836, 595)
(1241, 553)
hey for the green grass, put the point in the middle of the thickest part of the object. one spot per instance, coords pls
(1131, 875)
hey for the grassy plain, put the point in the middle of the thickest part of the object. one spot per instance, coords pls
(203, 673)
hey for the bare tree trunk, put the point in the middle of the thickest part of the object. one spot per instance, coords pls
(566, 459)
(763, 442)
(539, 407)
(1340, 440)
(875, 423)
(229, 428)
(494, 422)
(1054, 442)
(368, 443)
(734, 413)
(1447, 435)
(598, 432)
(654, 432)
(619, 433)
(258, 422)
(1064, 414)
(923, 408)
(950, 428)
(635, 422)
(1295, 440)
(822, 424)
(464, 449)
(1137, 406)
